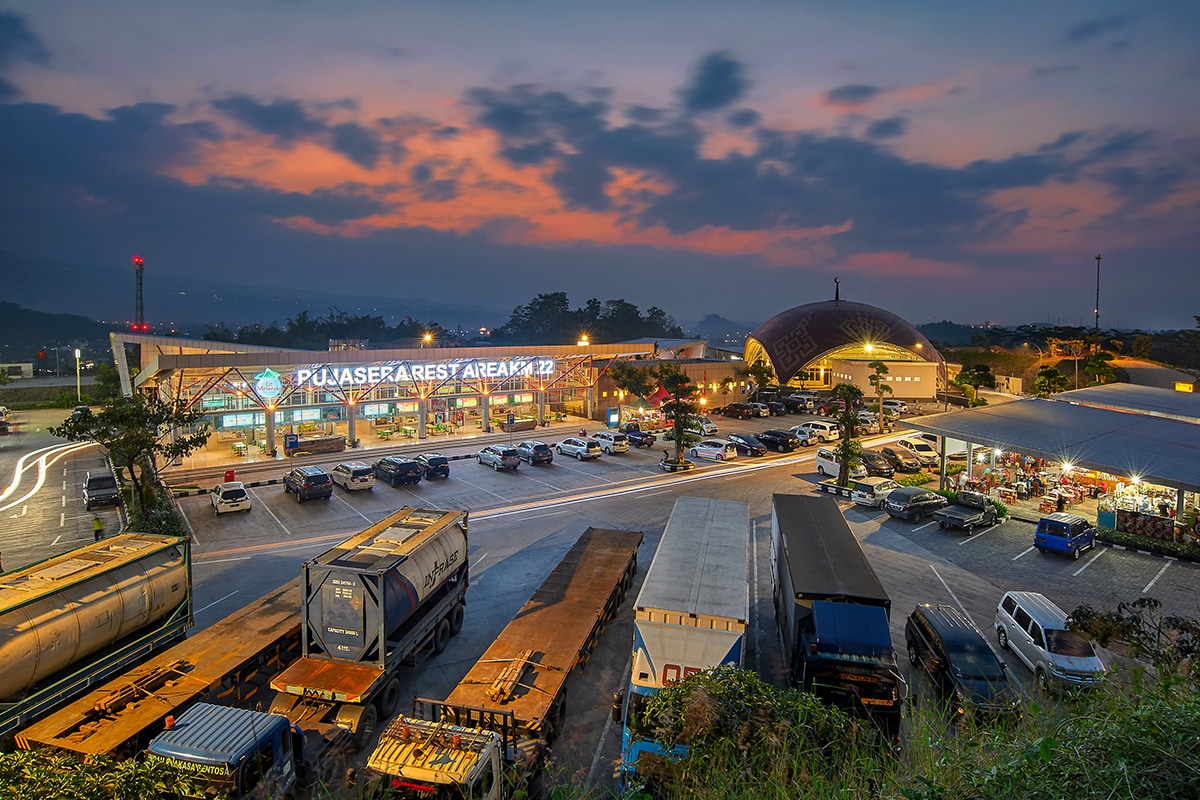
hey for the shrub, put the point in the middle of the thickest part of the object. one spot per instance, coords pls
(916, 479)
(1189, 551)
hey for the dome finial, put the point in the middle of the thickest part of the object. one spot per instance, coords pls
(837, 290)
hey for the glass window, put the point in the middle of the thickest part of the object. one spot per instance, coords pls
(1069, 643)
(1022, 619)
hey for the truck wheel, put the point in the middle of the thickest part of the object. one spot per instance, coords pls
(912, 654)
(441, 636)
(366, 726)
(456, 619)
(389, 697)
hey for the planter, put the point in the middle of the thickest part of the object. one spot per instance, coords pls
(671, 465)
(831, 487)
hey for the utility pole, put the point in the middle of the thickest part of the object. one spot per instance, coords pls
(1097, 298)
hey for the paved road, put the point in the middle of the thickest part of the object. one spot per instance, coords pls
(1145, 373)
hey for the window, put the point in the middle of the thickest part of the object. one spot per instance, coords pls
(1035, 631)
(1009, 605)
(1022, 619)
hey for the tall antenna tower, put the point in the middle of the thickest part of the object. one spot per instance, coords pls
(139, 319)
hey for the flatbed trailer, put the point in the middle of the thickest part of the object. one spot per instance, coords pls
(228, 663)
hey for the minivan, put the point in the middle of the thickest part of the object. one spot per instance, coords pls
(829, 464)
(1064, 533)
(822, 431)
(872, 491)
(611, 442)
(1036, 630)
(353, 475)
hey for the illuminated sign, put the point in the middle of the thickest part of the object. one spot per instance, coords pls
(268, 385)
(395, 373)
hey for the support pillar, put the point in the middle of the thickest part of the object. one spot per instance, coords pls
(269, 417)
(485, 410)
(589, 402)
(422, 417)
(541, 405)
(351, 427)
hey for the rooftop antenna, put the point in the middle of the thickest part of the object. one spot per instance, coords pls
(837, 290)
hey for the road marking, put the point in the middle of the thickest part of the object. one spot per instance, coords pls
(278, 521)
(1023, 552)
(56, 538)
(64, 501)
(973, 537)
(478, 561)
(1091, 561)
(62, 519)
(608, 725)
(64, 487)
(923, 527)
(957, 602)
(1156, 577)
(214, 602)
(342, 500)
(754, 590)
(656, 494)
(551, 514)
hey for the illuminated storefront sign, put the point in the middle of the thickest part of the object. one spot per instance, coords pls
(268, 386)
(463, 370)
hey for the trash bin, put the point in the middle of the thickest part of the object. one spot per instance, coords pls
(229, 476)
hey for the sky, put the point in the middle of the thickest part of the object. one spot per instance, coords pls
(959, 161)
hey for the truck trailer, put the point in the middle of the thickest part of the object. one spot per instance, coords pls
(833, 612)
(75, 620)
(494, 729)
(690, 615)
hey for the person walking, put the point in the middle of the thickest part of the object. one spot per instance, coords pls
(98, 527)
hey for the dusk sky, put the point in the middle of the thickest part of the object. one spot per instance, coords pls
(961, 161)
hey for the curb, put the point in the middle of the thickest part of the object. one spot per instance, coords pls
(248, 485)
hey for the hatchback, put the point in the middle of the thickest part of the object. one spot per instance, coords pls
(498, 457)
(872, 491)
(611, 442)
(308, 483)
(533, 452)
(910, 502)
(780, 441)
(1064, 533)
(761, 409)
(435, 465)
(714, 449)
(229, 496)
(353, 475)
(395, 470)
(747, 444)
(580, 448)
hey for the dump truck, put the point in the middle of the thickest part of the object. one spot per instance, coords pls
(833, 612)
(690, 615)
(970, 511)
(493, 731)
(368, 606)
(74, 620)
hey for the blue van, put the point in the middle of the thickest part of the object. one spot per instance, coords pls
(1064, 533)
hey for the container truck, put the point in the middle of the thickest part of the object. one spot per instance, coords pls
(690, 615)
(370, 605)
(494, 729)
(833, 612)
(75, 620)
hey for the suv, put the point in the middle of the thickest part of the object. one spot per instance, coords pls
(580, 448)
(899, 406)
(80, 412)
(910, 502)
(533, 452)
(1028, 624)
(353, 475)
(612, 442)
(435, 465)
(498, 457)
(100, 488)
(229, 496)
(307, 483)
(877, 464)
(829, 464)
(822, 431)
(395, 470)
(903, 460)
(781, 441)
(1064, 533)
(922, 449)
(957, 657)
(737, 411)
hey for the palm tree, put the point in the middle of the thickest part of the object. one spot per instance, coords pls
(881, 388)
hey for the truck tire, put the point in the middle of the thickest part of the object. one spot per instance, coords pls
(389, 697)
(943, 526)
(366, 726)
(456, 619)
(441, 636)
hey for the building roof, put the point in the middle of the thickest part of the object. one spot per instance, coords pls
(1149, 400)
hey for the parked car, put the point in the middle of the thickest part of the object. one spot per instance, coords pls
(3, 412)
(498, 457)
(353, 475)
(1065, 533)
(747, 444)
(706, 426)
(797, 405)
(899, 406)
(777, 407)
(872, 491)
(395, 470)
(308, 483)
(229, 496)
(831, 408)
(877, 465)
(611, 442)
(636, 436)
(535, 452)
(971, 510)
(866, 423)
(580, 448)
(911, 502)
(922, 449)
(100, 489)
(829, 465)
(779, 440)
(804, 435)
(80, 412)
(435, 465)
(1037, 631)
(714, 449)
(903, 460)
(737, 411)
(3, 427)
(943, 642)
(823, 431)
(760, 409)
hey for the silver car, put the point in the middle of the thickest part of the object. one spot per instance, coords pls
(498, 457)
(1036, 630)
(611, 442)
(580, 448)
(353, 475)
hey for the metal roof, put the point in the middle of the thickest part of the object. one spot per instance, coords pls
(1152, 401)
(1159, 450)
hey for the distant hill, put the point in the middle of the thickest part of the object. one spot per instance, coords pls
(947, 333)
(721, 332)
(23, 332)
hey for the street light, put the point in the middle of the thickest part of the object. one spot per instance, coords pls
(78, 389)
(427, 339)
(1035, 347)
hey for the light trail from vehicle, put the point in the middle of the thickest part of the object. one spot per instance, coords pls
(49, 456)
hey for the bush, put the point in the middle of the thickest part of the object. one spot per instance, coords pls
(916, 479)
(1189, 551)
(162, 515)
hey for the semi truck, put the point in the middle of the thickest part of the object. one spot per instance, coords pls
(74, 620)
(494, 729)
(833, 612)
(690, 615)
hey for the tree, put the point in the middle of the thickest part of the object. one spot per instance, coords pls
(1049, 381)
(637, 381)
(107, 386)
(881, 388)
(135, 432)
(759, 373)
(1099, 366)
(849, 450)
(681, 407)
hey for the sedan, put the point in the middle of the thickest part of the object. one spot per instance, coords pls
(780, 441)
(901, 460)
(747, 444)
(714, 449)
(877, 464)
(498, 457)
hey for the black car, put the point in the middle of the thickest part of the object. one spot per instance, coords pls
(959, 661)
(877, 464)
(780, 441)
(308, 483)
(778, 408)
(910, 502)
(747, 444)
(532, 452)
(737, 411)
(395, 470)
(901, 459)
(435, 465)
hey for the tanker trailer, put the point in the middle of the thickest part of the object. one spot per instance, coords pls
(370, 604)
(76, 619)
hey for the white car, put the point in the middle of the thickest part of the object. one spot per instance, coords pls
(899, 406)
(762, 409)
(229, 496)
(714, 449)
(612, 442)
(922, 449)
(580, 448)
(822, 431)
(806, 436)
(353, 475)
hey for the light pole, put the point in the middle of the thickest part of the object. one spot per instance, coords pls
(78, 389)
(1097, 299)
(426, 340)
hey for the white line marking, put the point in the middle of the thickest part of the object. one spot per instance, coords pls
(551, 514)
(1154, 580)
(655, 494)
(957, 602)
(754, 589)
(62, 519)
(478, 561)
(342, 500)
(923, 527)
(214, 602)
(1023, 552)
(56, 538)
(64, 501)
(267, 508)
(1091, 561)
(64, 487)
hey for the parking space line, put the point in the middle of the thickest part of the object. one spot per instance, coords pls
(342, 500)
(1090, 561)
(957, 602)
(56, 539)
(214, 602)
(923, 527)
(267, 508)
(551, 514)
(223, 561)
(1023, 552)
(1154, 580)
(975, 536)
(478, 561)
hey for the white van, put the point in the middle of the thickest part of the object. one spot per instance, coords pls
(822, 431)
(872, 491)
(1036, 630)
(829, 464)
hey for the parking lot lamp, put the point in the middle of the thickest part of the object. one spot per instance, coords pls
(78, 389)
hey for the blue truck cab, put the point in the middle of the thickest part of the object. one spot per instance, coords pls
(1064, 533)
(232, 752)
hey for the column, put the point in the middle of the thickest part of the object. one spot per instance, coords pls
(351, 419)
(485, 410)
(589, 402)
(422, 414)
(541, 405)
(269, 418)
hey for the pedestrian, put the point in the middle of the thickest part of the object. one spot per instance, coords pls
(1061, 502)
(98, 527)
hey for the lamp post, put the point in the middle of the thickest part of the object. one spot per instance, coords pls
(78, 389)
(426, 340)
(1097, 299)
